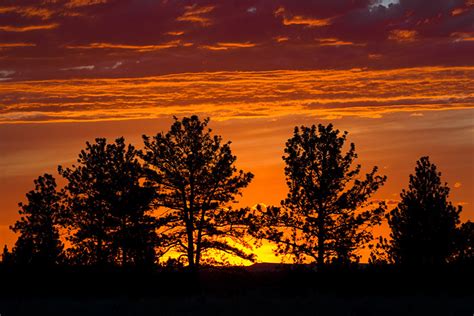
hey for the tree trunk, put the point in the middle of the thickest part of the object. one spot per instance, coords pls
(321, 239)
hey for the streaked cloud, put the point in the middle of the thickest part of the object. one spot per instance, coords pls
(463, 36)
(28, 28)
(175, 33)
(301, 20)
(83, 3)
(227, 95)
(138, 48)
(196, 14)
(336, 42)
(28, 11)
(281, 39)
(226, 46)
(87, 67)
(14, 45)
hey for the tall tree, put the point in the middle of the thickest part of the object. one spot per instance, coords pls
(108, 207)
(327, 215)
(38, 242)
(195, 179)
(423, 225)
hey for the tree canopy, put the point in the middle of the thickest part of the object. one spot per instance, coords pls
(327, 214)
(108, 208)
(423, 225)
(38, 242)
(195, 179)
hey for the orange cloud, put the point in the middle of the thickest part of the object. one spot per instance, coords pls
(138, 48)
(196, 14)
(457, 185)
(403, 36)
(301, 20)
(458, 11)
(226, 46)
(12, 45)
(83, 3)
(463, 36)
(175, 33)
(227, 95)
(281, 39)
(11, 28)
(335, 42)
(28, 11)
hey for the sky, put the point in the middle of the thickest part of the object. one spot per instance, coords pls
(397, 75)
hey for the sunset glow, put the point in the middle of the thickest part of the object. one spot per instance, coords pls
(397, 75)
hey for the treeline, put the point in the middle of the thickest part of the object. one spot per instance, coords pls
(125, 207)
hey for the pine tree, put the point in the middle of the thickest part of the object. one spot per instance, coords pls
(38, 242)
(327, 215)
(423, 225)
(108, 208)
(195, 179)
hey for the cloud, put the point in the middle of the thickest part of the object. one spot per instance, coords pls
(88, 67)
(403, 36)
(28, 28)
(336, 42)
(6, 73)
(83, 3)
(196, 14)
(15, 45)
(115, 66)
(226, 46)
(281, 39)
(457, 185)
(301, 20)
(175, 33)
(463, 36)
(28, 11)
(237, 94)
(138, 48)
(252, 10)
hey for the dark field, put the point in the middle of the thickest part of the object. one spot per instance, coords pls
(238, 292)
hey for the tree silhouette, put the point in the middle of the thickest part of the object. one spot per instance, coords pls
(6, 256)
(108, 209)
(39, 243)
(423, 225)
(327, 214)
(195, 179)
(464, 247)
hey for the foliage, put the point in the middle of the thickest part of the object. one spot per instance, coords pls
(38, 242)
(327, 214)
(195, 180)
(423, 225)
(464, 246)
(108, 209)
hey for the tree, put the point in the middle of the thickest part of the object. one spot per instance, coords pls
(6, 256)
(423, 225)
(108, 208)
(195, 179)
(327, 214)
(39, 243)
(464, 246)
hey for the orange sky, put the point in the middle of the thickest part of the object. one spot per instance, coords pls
(398, 75)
